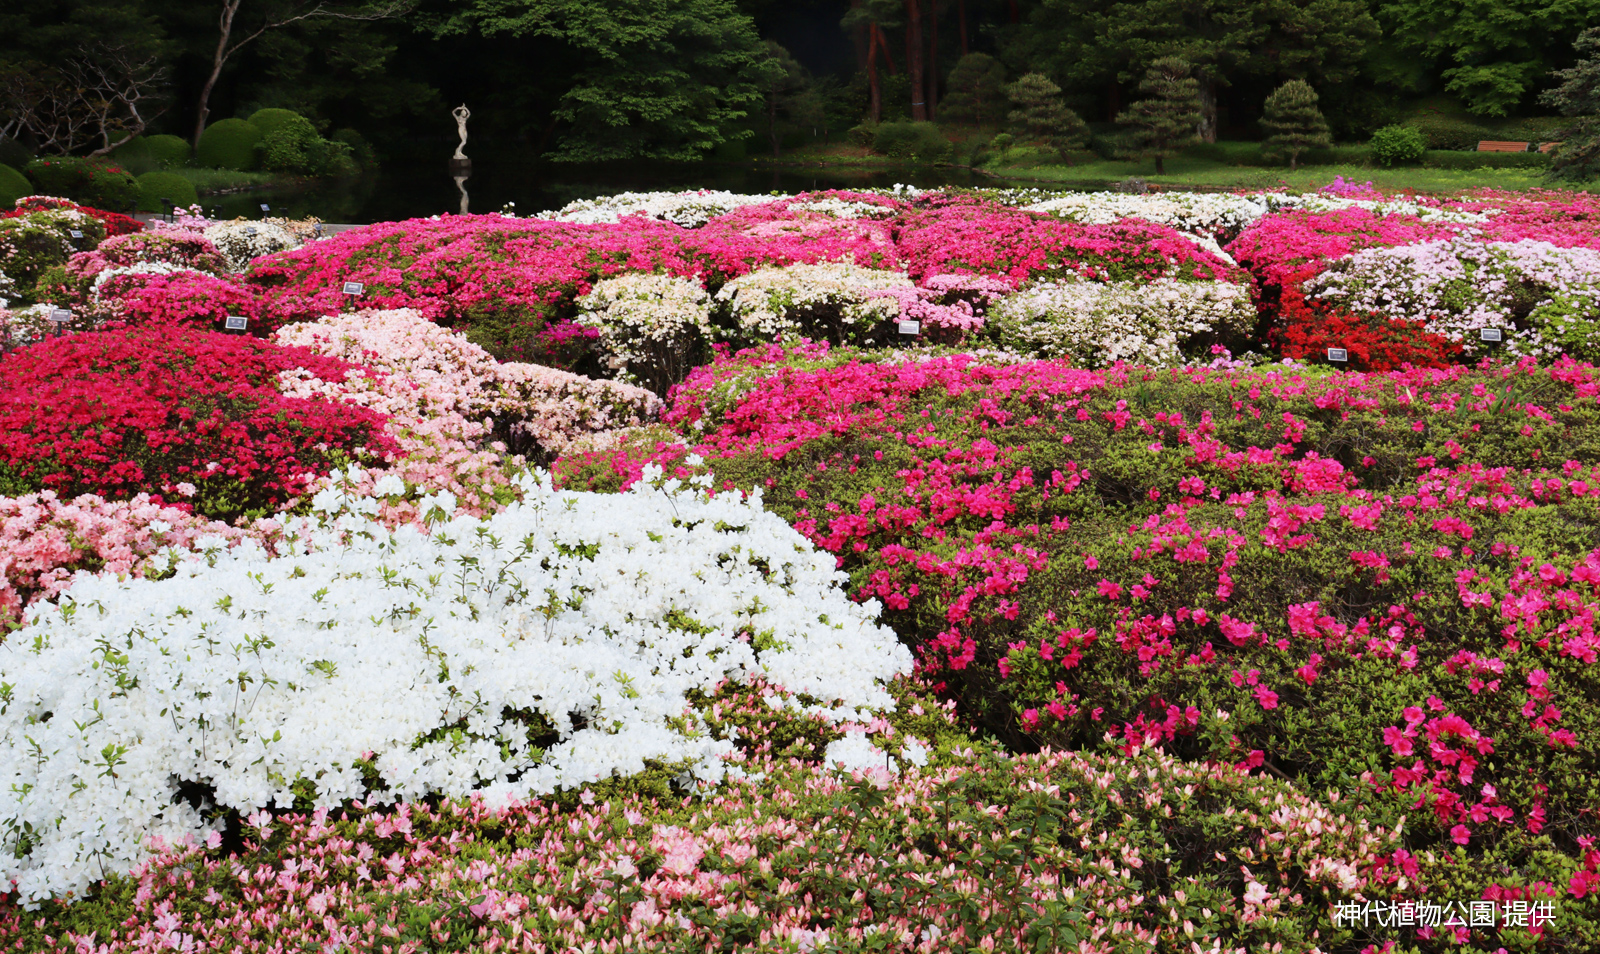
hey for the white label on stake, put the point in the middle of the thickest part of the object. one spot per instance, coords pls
(249, 230)
(75, 233)
(353, 288)
(60, 314)
(265, 207)
(910, 327)
(1490, 334)
(1338, 354)
(235, 322)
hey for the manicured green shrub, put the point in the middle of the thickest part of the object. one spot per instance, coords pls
(271, 120)
(229, 144)
(922, 141)
(168, 151)
(13, 186)
(863, 135)
(1397, 145)
(84, 181)
(1038, 114)
(1167, 118)
(1450, 159)
(1291, 114)
(156, 186)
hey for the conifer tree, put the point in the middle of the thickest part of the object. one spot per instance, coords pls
(1039, 114)
(975, 91)
(1578, 96)
(1169, 115)
(1296, 124)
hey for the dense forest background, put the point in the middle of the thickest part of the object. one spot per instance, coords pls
(589, 80)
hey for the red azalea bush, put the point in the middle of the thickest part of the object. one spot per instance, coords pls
(176, 410)
(197, 299)
(1377, 582)
(115, 222)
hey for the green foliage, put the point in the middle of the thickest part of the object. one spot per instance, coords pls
(229, 144)
(170, 151)
(791, 104)
(1397, 145)
(863, 135)
(158, 185)
(1169, 115)
(921, 141)
(1295, 122)
(293, 146)
(658, 79)
(1490, 55)
(360, 151)
(13, 186)
(271, 120)
(1578, 96)
(84, 181)
(31, 245)
(975, 91)
(1039, 114)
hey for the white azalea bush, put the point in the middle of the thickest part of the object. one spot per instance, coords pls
(1536, 293)
(835, 301)
(1224, 215)
(551, 645)
(652, 327)
(1100, 323)
(242, 242)
(690, 209)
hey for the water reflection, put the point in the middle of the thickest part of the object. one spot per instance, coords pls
(403, 190)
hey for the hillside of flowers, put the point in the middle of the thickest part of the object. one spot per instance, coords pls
(848, 571)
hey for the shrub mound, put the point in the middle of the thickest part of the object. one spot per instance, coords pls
(176, 410)
(159, 191)
(88, 181)
(13, 186)
(229, 144)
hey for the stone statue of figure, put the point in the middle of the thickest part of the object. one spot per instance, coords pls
(462, 114)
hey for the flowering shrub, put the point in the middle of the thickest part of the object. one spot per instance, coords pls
(840, 303)
(171, 246)
(121, 412)
(242, 242)
(553, 644)
(451, 409)
(179, 297)
(688, 209)
(651, 327)
(115, 223)
(45, 541)
(1455, 289)
(1264, 568)
(32, 243)
(1101, 323)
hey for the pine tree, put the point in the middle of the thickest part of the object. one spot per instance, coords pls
(1041, 115)
(975, 91)
(1169, 115)
(1578, 96)
(1296, 124)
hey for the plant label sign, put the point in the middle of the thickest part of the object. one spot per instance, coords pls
(249, 230)
(59, 315)
(1491, 334)
(75, 233)
(910, 327)
(1338, 354)
(235, 322)
(265, 207)
(354, 288)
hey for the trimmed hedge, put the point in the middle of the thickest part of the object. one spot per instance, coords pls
(84, 181)
(229, 144)
(156, 186)
(168, 150)
(13, 186)
(271, 120)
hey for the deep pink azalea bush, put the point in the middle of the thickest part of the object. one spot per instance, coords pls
(1277, 571)
(197, 299)
(194, 416)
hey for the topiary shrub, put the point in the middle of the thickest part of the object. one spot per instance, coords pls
(86, 181)
(123, 411)
(157, 186)
(271, 120)
(13, 186)
(168, 151)
(229, 144)
(1397, 145)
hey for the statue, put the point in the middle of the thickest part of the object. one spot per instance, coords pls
(462, 114)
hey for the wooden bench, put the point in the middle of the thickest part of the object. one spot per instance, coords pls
(1549, 146)
(1489, 146)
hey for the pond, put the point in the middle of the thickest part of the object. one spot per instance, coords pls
(410, 189)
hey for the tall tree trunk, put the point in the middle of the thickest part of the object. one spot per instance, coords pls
(914, 61)
(933, 60)
(225, 22)
(859, 39)
(874, 88)
(961, 11)
(1208, 107)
